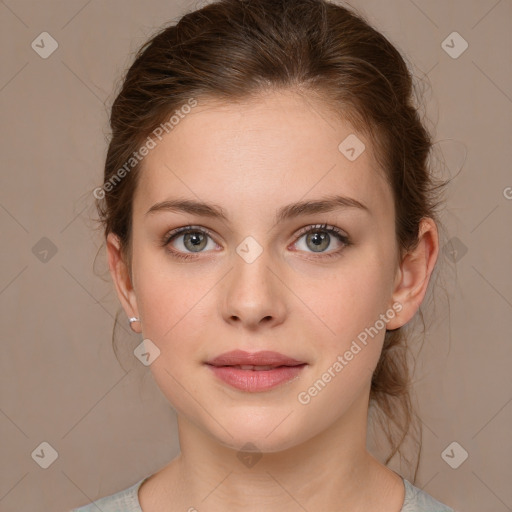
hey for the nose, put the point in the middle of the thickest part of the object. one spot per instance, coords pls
(253, 294)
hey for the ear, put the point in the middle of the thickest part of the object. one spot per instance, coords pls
(413, 274)
(121, 276)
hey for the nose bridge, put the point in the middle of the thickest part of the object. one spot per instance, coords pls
(253, 293)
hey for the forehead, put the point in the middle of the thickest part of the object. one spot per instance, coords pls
(260, 153)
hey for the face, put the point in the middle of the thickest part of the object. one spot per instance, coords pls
(255, 279)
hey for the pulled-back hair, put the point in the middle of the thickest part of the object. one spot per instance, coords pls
(236, 49)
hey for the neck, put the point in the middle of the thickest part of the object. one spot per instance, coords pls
(329, 471)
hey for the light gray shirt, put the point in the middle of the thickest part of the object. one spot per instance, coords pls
(127, 500)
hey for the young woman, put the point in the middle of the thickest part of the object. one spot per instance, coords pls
(271, 226)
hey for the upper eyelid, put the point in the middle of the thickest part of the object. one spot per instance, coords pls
(321, 227)
(185, 229)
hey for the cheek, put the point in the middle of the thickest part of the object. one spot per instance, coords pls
(168, 295)
(350, 335)
(172, 314)
(167, 302)
(345, 302)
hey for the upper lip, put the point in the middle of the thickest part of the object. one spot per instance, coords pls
(262, 358)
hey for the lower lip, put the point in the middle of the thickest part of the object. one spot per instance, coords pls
(256, 380)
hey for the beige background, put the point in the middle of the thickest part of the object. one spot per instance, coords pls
(60, 381)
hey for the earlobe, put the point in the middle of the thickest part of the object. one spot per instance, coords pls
(121, 276)
(414, 273)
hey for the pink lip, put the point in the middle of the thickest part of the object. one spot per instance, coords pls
(263, 358)
(285, 369)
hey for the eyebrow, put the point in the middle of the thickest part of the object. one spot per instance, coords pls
(324, 204)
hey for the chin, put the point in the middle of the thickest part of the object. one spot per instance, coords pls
(265, 436)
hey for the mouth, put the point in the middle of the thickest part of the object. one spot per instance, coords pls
(263, 358)
(255, 372)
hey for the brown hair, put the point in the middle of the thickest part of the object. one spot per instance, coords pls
(235, 49)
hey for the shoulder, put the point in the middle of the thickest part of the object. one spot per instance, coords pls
(123, 501)
(417, 500)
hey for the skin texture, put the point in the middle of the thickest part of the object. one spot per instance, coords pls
(250, 159)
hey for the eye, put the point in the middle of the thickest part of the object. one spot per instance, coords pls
(188, 241)
(320, 237)
(184, 242)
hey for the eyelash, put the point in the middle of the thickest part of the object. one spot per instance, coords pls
(170, 236)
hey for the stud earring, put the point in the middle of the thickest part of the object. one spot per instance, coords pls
(131, 320)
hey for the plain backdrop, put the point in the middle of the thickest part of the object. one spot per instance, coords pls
(108, 425)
